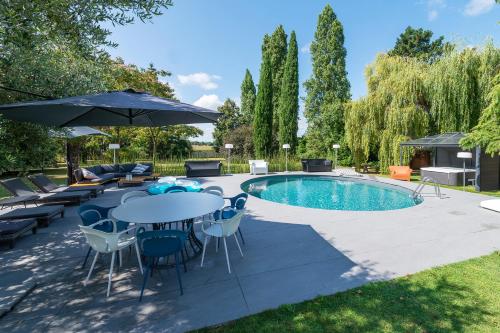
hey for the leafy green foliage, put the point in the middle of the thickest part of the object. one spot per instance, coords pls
(289, 100)
(263, 118)
(328, 88)
(247, 98)
(276, 47)
(242, 139)
(487, 133)
(230, 119)
(416, 43)
(75, 24)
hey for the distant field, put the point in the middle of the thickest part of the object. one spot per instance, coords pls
(202, 148)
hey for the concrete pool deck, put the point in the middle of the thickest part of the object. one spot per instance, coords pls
(291, 254)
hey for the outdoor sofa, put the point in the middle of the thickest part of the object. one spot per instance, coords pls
(18, 188)
(316, 165)
(47, 186)
(109, 172)
(42, 214)
(12, 230)
(203, 168)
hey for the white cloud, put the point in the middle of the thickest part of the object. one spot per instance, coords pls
(208, 130)
(306, 48)
(209, 102)
(432, 15)
(478, 7)
(202, 80)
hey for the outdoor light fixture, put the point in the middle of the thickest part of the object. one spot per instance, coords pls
(228, 146)
(114, 147)
(464, 155)
(286, 146)
(335, 147)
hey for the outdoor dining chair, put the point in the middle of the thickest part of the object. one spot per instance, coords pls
(237, 203)
(159, 244)
(222, 228)
(90, 214)
(133, 195)
(108, 242)
(216, 190)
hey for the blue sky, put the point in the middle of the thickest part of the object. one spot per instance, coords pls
(207, 45)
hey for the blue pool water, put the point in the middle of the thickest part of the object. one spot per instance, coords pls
(331, 193)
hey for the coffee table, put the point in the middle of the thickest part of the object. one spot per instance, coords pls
(136, 181)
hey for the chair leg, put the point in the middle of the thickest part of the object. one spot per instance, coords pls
(113, 256)
(217, 245)
(241, 235)
(139, 257)
(238, 243)
(183, 261)
(178, 271)
(144, 280)
(227, 256)
(91, 269)
(207, 239)
(86, 257)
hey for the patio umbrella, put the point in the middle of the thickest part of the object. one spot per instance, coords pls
(77, 131)
(115, 108)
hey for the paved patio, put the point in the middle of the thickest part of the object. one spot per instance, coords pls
(291, 254)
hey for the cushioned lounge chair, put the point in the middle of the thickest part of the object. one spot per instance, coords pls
(400, 172)
(12, 230)
(48, 186)
(18, 188)
(43, 214)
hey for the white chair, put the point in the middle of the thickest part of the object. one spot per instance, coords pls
(216, 190)
(108, 242)
(133, 195)
(258, 166)
(221, 229)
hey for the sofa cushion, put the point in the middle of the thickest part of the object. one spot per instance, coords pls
(108, 168)
(140, 168)
(126, 167)
(87, 174)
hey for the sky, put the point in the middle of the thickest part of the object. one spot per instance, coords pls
(208, 45)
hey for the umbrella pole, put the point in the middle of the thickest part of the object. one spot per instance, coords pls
(69, 164)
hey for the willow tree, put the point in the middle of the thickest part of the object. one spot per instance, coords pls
(394, 110)
(487, 133)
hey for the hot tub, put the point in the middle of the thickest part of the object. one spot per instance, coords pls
(447, 175)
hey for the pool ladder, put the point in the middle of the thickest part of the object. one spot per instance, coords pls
(427, 181)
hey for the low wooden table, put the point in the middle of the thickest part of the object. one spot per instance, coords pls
(136, 181)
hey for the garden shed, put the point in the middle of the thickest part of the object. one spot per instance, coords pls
(482, 170)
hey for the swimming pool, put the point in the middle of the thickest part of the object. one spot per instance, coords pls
(332, 193)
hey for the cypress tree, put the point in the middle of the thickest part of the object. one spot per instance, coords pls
(289, 98)
(328, 88)
(263, 117)
(247, 98)
(276, 46)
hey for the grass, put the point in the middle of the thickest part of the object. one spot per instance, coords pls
(461, 297)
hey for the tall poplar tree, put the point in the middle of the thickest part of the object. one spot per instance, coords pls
(276, 46)
(289, 98)
(263, 117)
(247, 98)
(328, 88)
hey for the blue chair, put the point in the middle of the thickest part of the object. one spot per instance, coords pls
(175, 189)
(159, 244)
(90, 214)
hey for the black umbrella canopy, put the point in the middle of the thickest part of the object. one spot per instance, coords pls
(116, 108)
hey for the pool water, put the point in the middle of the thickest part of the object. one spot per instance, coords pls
(330, 193)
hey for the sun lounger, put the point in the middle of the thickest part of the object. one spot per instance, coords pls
(47, 186)
(43, 214)
(18, 188)
(11, 230)
(16, 201)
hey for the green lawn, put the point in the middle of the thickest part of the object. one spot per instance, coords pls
(462, 297)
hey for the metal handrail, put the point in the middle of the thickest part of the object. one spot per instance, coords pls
(427, 181)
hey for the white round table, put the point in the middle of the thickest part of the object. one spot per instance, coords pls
(163, 209)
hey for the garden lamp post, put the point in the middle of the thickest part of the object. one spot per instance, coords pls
(464, 155)
(286, 146)
(229, 146)
(335, 147)
(114, 147)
